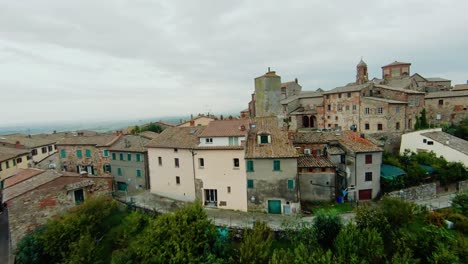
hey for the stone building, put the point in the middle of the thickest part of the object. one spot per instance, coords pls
(447, 106)
(129, 163)
(34, 196)
(271, 164)
(317, 178)
(40, 147)
(200, 120)
(12, 160)
(88, 154)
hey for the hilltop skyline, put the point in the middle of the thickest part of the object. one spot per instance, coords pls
(138, 59)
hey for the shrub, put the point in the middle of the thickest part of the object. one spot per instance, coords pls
(327, 226)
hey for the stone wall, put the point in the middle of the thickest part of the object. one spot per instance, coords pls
(34, 208)
(422, 192)
(463, 186)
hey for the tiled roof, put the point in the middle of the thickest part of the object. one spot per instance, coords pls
(347, 88)
(397, 89)
(309, 161)
(289, 99)
(29, 184)
(397, 63)
(362, 63)
(20, 176)
(130, 143)
(279, 146)
(149, 134)
(177, 137)
(220, 147)
(286, 84)
(444, 138)
(349, 140)
(402, 83)
(335, 150)
(98, 140)
(447, 94)
(27, 141)
(307, 94)
(315, 137)
(195, 118)
(226, 128)
(7, 153)
(385, 100)
(437, 79)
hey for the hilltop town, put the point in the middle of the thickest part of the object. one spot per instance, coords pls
(289, 147)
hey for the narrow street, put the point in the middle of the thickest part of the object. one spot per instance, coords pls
(4, 240)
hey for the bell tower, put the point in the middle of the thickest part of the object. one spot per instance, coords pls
(361, 73)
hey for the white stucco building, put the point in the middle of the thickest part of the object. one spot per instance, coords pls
(452, 148)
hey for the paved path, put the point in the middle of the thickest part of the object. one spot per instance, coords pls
(4, 241)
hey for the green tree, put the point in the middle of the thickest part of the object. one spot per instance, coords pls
(398, 212)
(30, 249)
(256, 244)
(423, 120)
(135, 130)
(153, 127)
(460, 203)
(327, 226)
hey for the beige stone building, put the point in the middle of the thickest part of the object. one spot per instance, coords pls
(447, 106)
(39, 146)
(197, 121)
(12, 160)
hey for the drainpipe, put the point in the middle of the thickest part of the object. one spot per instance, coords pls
(193, 167)
(355, 177)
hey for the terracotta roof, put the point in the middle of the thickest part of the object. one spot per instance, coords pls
(353, 142)
(286, 84)
(149, 134)
(29, 184)
(279, 146)
(177, 137)
(397, 89)
(26, 141)
(447, 94)
(220, 147)
(315, 137)
(98, 140)
(347, 88)
(385, 100)
(130, 143)
(7, 153)
(335, 150)
(396, 63)
(195, 118)
(437, 79)
(226, 128)
(444, 138)
(306, 94)
(20, 176)
(309, 161)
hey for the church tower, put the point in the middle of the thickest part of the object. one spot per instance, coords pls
(361, 73)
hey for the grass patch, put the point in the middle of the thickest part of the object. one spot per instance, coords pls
(313, 207)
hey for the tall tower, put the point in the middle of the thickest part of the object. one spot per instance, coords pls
(361, 73)
(268, 95)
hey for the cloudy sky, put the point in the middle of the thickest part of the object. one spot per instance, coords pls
(116, 59)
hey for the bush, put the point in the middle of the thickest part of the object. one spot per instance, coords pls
(362, 245)
(460, 203)
(398, 212)
(435, 218)
(256, 245)
(460, 222)
(327, 226)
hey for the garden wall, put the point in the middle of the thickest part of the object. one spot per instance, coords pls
(422, 192)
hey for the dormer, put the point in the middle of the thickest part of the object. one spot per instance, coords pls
(263, 138)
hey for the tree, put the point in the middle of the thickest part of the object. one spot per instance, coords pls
(30, 249)
(460, 203)
(327, 226)
(153, 127)
(398, 212)
(256, 245)
(135, 130)
(423, 120)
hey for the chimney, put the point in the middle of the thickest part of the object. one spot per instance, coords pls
(17, 144)
(242, 128)
(295, 80)
(192, 122)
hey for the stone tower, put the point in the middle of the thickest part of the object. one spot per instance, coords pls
(361, 73)
(268, 94)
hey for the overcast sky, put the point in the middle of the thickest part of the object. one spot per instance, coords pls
(116, 59)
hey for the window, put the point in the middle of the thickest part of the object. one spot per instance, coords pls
(7, 164)
(441, 102)
(44, 150)
(106, 168)
(368, 176)
(366, 126)
(138, 173)
(250, 165)
(105, 153)
(397, 109)
(366, 111)
(14, 162)
(176, 150)
(328, 96)
(324, 169)
(424, 140)
(354, 107)
(121, 156)
(380, 110)
(233, 141)
(250, 184)
(339, 95)
(336, 118)
(229, 189)
(88, 153)
(160, 161)
(201, 162)
(236, 163)
(430, 142)
(63, 154)
(349, 95)
(329, 107)
(276, 165)
(347, 107)
(208, 140)
(79, 153)
(340, 107)
(114, 156)
(369, 159)
(397, 126)
(34, 152)
(19, 160)
(411, 102)
(264, 139)
(417, 101)
(342, 159)
(129, 156)
(177, 180)
(176, 162)
(290, 184)
(119, 171)
(49, 148)
(379, 127)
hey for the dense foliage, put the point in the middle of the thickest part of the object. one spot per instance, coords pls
(394, 231)
(149, 127)
(460, 130)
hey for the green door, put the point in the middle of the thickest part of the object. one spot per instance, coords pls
(274, 206)
(79, 196)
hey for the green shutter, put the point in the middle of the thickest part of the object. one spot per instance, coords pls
(88, 153)
(114, 156)
(264, 139)
(276, 165)
(138, 157)
(250, 165)
(250, 184)
(290, 184)
(119, 171)
(121, 186)
(79, 154)
(138, 173)
(63, 153)
(106, 153)
(129, 156)
(121, 156)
